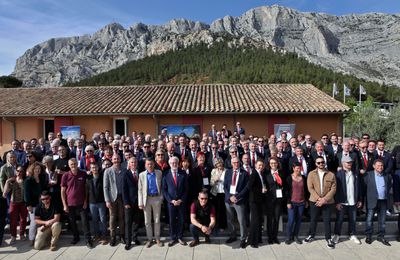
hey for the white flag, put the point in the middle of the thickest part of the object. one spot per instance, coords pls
(335, 90)
(362, 90)
(346, 90)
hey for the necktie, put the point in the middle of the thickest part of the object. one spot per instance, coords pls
(278, 178)
(365, 160)
(253, 160)
(134, 176)
(174, 174)
(301, 164)
(234, 178)
(248, 170)
(80, 155)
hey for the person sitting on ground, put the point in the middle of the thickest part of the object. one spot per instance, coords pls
(202, 218)
(47, 218)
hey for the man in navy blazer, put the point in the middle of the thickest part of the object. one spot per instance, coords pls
(130, 200)
(175, 190)
(376, 192)
(236, 192)
(385, 156)
(348, 198)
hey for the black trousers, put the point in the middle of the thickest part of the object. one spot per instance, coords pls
(3, 213)
(273, 211)
(73, 213)
(132, 221)
(315, 212)
(220, 210)
(256, 219)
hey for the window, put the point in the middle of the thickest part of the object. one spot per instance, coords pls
(120, 126)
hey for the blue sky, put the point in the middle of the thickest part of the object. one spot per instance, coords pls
(24, 23)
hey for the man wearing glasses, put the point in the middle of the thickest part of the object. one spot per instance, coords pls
(236, 191)
(365, 158)
(321, 184)
(47, 218)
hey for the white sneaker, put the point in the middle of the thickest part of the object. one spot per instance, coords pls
(355, 239)
(335, 239)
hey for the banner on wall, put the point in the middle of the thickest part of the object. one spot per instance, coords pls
(288, 128)
(73, 131)
(189, 130)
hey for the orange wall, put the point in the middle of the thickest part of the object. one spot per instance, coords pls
(315, 125)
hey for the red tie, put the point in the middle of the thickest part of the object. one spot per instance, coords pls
(234, 178)
(248, 170)
(253, 160)
(183, 154)
(365, 160)
(80, 155)
(278, 178)
(134, 176)
(174, 174)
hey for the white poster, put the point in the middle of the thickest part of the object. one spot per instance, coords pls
(288, 128)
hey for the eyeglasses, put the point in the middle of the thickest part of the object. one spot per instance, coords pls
(284, 142)
(159, 154)
(324, 138)
(365, 137)
(146, 146)
(319, 163)
(363, 147)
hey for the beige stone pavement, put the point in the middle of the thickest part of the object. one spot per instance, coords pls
(216, 250)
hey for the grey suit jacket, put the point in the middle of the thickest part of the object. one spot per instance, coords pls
(142, 187)
(110, 185)
(370, 191)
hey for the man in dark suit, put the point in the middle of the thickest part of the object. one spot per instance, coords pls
(239, 129)
(130, 200)
(258, 189)
(225, 133)
(376, 192)
(254, 155)
(175, 190)
(305, 162)
(236, 192)
(330, 160)
(334, 147)
(262, 148)
(192, 154)
(213, 132)
(346, 152)
(385, 156)
(365, 158)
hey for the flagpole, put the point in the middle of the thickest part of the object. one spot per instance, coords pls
(344, 94)
(359, 94)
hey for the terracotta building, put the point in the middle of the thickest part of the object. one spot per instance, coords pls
(33, 112)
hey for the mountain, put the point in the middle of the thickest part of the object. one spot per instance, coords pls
(365, 45)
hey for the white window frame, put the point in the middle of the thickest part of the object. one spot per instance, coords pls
(125, 124)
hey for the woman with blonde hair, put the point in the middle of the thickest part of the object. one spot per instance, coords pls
(218, 194)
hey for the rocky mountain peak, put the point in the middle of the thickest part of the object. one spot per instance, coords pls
(364, 45)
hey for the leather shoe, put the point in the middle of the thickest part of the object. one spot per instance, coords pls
(89, 244)
(113, 241)
(172, 243)
(128, 246)
(207, 240)
(159, 243)
(137, 242)
(148, 244)
(194, 243)
(368, 240)
(254, 246)
(384, 241)
(75, 241)
(243, 244)
(276, 241)
(183, 243)
(123, 241)
(230, 240)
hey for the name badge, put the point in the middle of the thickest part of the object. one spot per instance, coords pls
(279, 193)
(232, 190)
(206, 182)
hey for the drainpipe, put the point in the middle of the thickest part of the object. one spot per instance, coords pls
(156, 122)
(14, 129)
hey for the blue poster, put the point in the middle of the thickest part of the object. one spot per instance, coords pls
(73, 131)
(189, 130)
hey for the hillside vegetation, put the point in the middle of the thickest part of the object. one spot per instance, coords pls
(200, 64)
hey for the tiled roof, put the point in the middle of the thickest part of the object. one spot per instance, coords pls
(168, 99)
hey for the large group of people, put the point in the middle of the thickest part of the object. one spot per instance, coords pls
(220, 180)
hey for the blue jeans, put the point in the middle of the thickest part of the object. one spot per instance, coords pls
(381, 210)
(294, 219)
(99, 219)
(351, 214)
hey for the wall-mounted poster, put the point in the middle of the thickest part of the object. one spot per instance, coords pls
(288, 128)
(189, 130)
(73, 131)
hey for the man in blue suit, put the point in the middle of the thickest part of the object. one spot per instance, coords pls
(175, 190)
(130, 200)
(236, 191)
(376, 190)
